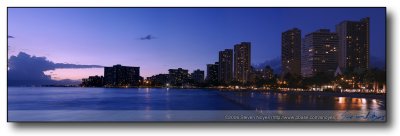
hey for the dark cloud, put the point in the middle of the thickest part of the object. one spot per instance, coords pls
(9, 36)
(147, 37)
(26, 70)
(275, 64)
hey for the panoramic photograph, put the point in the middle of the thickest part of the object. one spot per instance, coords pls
(196, 64)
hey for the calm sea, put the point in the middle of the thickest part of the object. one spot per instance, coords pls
(159, 104)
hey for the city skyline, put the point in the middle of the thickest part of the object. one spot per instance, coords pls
(262, 49)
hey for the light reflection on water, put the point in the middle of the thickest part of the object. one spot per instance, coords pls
(344, 103)
(52, 98)
(283, 101)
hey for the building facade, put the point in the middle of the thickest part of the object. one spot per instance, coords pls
(178, 77)
(353, 49)
(212, 73)
(242, 62)
(121, 76)
(225, 73)
(93, 81)
(159, 80)
(264, 74)
(291, 52)
(198, 76)
(319, 53)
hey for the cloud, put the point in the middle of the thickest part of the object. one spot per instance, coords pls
(27, 70)
(66, 65)
(147, 37)
(275, 64)
(9, 36)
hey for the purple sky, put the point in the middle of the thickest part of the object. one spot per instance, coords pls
(180, 37)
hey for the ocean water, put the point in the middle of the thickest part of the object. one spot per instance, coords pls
(162, 104)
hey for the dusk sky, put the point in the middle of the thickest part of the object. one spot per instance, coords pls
(158, 39)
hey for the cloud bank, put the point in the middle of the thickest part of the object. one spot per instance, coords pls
(27, 70)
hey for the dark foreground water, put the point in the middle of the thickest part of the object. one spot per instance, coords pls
(162, 104)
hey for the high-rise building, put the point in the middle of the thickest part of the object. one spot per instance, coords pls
(225, 73)
(212, 73)
(353, 49)
(178, 77)
(242, 62)
(121, 76)
(291, 52)
(319, 53)
(198, 76)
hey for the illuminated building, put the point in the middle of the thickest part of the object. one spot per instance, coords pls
(121, 76)
(319, 53)
(178, 77)
(353, 49)
(242, 62)
(291, 51)
(93, 81)
(158, 80)
(198, 76)
(225, 73)
(266, 73)
(212, 73)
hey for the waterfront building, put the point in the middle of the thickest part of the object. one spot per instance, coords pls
(212, 73)
(291, 51)
(225, 73)
(265, 74)
(121, 76)
(93, 81)
(178, 77)
(242, 62)
(353, 49)
(198, 76)
(159, 80)
(319, 53)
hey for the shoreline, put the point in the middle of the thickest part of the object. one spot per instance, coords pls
(314, 93)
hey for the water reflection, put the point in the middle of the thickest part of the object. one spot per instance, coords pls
(347, 103)
(150, 101)
(287, 101)
(179, 99)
